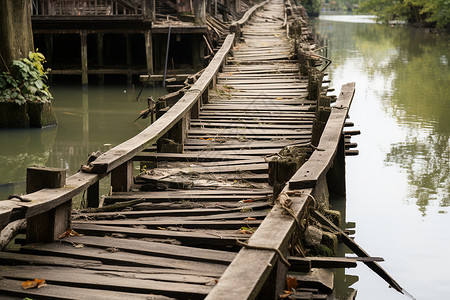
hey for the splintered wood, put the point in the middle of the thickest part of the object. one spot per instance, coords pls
(180, 237)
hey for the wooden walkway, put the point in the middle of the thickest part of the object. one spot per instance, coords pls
(185, 210)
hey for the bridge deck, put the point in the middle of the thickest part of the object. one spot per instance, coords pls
(177, 237)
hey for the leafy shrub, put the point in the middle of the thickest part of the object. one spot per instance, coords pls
(25, 81)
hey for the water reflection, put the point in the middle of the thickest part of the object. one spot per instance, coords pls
(418, 99)
(88, 120)
(398, 187)
(409, 72)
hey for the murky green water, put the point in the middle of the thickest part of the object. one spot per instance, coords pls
(399, 186)
(93, 120)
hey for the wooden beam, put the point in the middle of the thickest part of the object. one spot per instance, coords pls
(46, 226)
(321, 161)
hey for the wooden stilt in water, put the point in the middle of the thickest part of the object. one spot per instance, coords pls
(149, 50)
(84, 58)
(101, 77)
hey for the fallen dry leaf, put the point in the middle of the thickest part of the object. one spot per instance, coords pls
(249, 219)
(291, 282)
(35, 283)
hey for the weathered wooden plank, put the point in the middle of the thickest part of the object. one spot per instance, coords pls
(252, 131)
(320, 161)
(169, 222)
(155, 249)
(260, 125)
(185, 237)
(14, 289)
(300, 264)
(10, 210)
(7, 258)
(92, 279)
(254, 167)
(119, 257)
(262, 107)
(191, 156)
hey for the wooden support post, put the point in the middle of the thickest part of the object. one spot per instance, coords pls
(49, 52)
(173, 140)
(205, 95)
(323, 109)
(283, 167)
(275, 283)
(101, 77)
(148, 10)
(237, 5)
(84, 59)
(200, 11)
(317, 130)
(197, 53)
(195, 110)
(315, 78)
(48, 225)
(224, 13)
(149, 50)
(128, 58)
(336, 174)
(93, 195)
(122, 177)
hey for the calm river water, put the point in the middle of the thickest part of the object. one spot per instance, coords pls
(398, 188)
(93, 120)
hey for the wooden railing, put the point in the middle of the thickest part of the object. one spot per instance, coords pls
(86, 7)
(47, 210)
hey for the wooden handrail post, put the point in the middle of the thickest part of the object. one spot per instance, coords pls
(122, 177)
(46, 227)
(93, 195)
(336, 174)
(173, 140)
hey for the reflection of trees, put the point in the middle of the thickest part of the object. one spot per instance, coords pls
(427, 162)
(414, 68)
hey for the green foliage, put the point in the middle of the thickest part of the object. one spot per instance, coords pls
(312, 7)
(424, 12)
(25, 81)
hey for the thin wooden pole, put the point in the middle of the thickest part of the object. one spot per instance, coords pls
(84, 59)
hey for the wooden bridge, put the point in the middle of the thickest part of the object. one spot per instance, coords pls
(199, 218)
